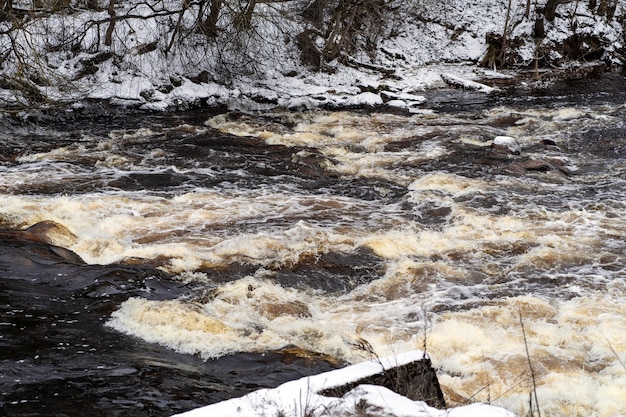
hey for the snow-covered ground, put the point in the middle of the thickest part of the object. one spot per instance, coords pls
(65, 58)
(302, 398)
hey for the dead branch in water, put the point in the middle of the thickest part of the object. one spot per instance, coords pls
(532, 371)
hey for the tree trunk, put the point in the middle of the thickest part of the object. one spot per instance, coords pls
(610, 11)
(338, 31)
(210, 24)
(93, 5)
(606, 8)
(181, 14)
(315, 13)
(108, 37)
(502, 57)
(539, 31)
(551, 5)
(245, 20)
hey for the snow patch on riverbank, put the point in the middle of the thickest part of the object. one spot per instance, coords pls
(302, 397)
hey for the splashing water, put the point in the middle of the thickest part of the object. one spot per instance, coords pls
(318, 229)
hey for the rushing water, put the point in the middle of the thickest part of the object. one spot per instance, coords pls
(320, 229)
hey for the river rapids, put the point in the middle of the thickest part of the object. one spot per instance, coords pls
(344, 234)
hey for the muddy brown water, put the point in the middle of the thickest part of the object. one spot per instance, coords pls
(253, 232)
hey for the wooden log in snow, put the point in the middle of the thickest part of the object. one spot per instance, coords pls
(466, 84)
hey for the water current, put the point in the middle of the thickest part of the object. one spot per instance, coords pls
(224, 252)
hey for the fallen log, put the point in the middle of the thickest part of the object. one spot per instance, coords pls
(466, 84)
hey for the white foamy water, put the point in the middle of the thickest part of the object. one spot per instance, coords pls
(458, 248)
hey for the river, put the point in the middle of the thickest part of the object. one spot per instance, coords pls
(224, 252)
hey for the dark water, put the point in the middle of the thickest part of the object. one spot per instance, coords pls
(58, 359)
(56, 356)
(318, 233)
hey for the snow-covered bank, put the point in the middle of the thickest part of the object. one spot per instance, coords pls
(154, 56)
(302, 397)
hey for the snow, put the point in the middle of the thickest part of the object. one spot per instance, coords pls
(363, 99)
(508, 143)
(434, 44)
(302, 397)
(467, 84)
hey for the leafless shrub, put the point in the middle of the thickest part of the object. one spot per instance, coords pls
(219, 38)
(344, 27)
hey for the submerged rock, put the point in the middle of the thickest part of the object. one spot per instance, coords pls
(536, 165)
(294, 308)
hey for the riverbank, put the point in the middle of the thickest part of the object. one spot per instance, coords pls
(130, 55)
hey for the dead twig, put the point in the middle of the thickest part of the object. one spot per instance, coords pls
(532, 371)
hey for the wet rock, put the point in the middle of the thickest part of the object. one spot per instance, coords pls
(506, 144)
(515, 169)
(53, 308)
(567, 169)
(26, 258)
(434, 214)
(506, 121)
(521, 168)
(536, 165)
(292, 353)
(556, 162)
(24, 255)
(332, 271)
(541, 165)
(415, 380)
(549, 144)
(51, 232)
(562, 165)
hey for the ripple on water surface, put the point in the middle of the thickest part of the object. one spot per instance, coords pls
(405, 229)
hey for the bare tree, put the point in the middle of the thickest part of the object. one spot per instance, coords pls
(244, 20)
(208, 16)
(352, 24)
(6, 9)
(109, 33)
(550, 9)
